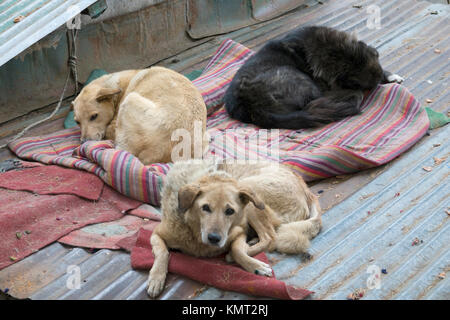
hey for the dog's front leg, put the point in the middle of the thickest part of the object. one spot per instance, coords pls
(389, 77)
(158, 273)
(264, 223)
(239, 249)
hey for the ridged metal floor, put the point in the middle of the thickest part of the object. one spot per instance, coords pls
(383, 212)
(377, 226)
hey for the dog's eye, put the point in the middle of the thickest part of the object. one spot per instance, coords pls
(78, 122)
(206, 208)
(93, 117)
(229, 211)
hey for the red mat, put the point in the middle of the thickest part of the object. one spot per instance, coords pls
(212, 271)
(30, 221)
(53, 180)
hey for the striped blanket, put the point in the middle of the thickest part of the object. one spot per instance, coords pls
(391, 122)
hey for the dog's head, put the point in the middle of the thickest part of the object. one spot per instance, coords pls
(365, 71)
(214, 205)
(94, 109)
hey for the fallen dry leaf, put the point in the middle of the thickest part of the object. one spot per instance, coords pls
(429, 101)
(437, 51)
(366, 196)
(442, 275)
(357, 294)
(428, 169)
(436, 145)
(18, 19)
(438, 161)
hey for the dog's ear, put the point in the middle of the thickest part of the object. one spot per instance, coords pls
(106, 93)
(186, 196)
(72, 106)
(246, 196)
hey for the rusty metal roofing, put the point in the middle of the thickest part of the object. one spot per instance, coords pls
(393, 218)
(24, 22)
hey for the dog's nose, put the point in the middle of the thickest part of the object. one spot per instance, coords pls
(214, 238)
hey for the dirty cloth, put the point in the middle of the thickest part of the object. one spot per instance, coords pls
(56, 202)
(391, 121)
(59, 181)
(106, 235)
(212, 271)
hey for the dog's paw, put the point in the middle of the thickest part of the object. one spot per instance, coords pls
(257, 267)
(155, 286)
(395, 78)
(263, 269)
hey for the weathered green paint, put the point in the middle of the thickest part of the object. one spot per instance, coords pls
(267, 9)
(208, 17)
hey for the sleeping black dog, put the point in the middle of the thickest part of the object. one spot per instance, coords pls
(310, 77)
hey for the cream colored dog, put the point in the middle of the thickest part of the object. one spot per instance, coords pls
(140, 110)
(206, 210)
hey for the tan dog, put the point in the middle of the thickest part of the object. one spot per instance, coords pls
(206, 210)
(140, 110)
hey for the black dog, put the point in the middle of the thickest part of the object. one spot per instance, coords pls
(310, 77)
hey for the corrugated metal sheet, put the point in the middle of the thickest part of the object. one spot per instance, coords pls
(405, 202)
(40, 18)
